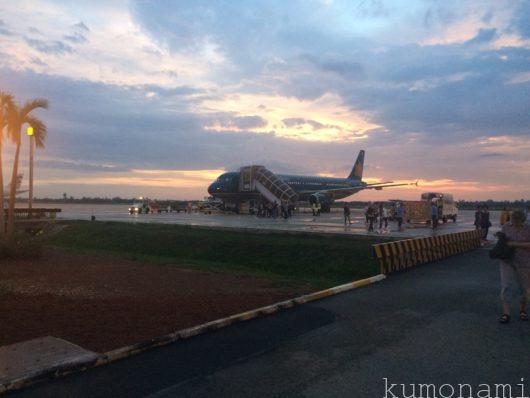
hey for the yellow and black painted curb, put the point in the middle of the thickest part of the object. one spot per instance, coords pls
(128, 351)
(402, 254)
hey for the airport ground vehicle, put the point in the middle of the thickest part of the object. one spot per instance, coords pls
(447, 209)
(419, 211)
(144, 205)
(139, 206)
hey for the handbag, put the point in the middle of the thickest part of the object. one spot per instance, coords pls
(501, 250)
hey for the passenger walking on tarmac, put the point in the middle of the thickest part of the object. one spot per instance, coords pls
(478, 217)
(319, 208)
(371, 216)
(347, 213)
(381, 211)
(366, 208)
(314, 208)
(505, 216)
(434, 215)
(400, 213)
(285, 210)
(485, 222)
(385, 217)
(515, 272)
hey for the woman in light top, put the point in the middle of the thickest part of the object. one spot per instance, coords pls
(515, 272)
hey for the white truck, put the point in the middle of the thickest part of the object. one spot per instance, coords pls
(447, 209)
(419, 211)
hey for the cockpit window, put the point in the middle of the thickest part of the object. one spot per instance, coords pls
(224, 178)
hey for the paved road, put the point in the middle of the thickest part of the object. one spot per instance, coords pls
(434, 324)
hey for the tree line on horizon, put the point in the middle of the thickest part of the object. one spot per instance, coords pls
(13, 117)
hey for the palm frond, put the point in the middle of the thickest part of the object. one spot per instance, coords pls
(32, 105)
(14, 122)
(6, 104)
(6, 99)
(39, 130)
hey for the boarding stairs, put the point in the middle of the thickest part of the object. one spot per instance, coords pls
(272, 187)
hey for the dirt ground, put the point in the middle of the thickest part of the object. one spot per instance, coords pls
(102, 303)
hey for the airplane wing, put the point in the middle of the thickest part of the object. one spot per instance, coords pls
(377, 186)
(380, 185)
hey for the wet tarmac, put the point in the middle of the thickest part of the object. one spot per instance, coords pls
(325, 223)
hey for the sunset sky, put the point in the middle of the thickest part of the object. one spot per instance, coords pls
(156, 98)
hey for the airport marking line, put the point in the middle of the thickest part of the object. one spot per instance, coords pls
(128, 351)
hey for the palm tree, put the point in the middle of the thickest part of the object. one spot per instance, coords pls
(6, 102)
(17, 117)
(35, 140)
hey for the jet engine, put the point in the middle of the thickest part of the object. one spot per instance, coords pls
(324, 200)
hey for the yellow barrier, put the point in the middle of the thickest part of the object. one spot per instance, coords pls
(395, 256)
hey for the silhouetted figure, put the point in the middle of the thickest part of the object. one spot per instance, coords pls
(485, 222)
(347, 213)
(515, 270)
(478, 217)
(434, 215)
(400, 213)
(371, 217)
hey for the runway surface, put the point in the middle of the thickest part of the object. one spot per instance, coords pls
(326, 223)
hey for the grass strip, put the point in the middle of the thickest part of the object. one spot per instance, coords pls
(320, 260)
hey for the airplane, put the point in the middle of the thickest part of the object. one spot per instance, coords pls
(234, 188)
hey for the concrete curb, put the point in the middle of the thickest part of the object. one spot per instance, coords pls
(128, 351)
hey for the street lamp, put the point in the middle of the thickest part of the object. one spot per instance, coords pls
(29, 132)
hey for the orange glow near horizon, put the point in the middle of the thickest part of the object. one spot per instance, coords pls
(145, 178)
(192, 184)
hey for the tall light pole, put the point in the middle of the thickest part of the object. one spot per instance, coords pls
(29, 132)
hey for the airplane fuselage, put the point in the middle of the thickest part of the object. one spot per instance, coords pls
(237, 187)
(227, 186)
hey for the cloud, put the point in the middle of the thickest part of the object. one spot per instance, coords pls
(483, 36)
(492, 155)
(236, 123)
(76, 38)
(80, 26)
(4, 31)
(437, 91)
(79, 34)
(518, 78)
(171, 91)
(344, 68)
(522, 16)
(301, 122)
(54, 47)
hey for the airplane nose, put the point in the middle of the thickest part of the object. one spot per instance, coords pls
(212, 188)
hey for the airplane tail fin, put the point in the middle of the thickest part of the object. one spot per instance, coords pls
(357, 171)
